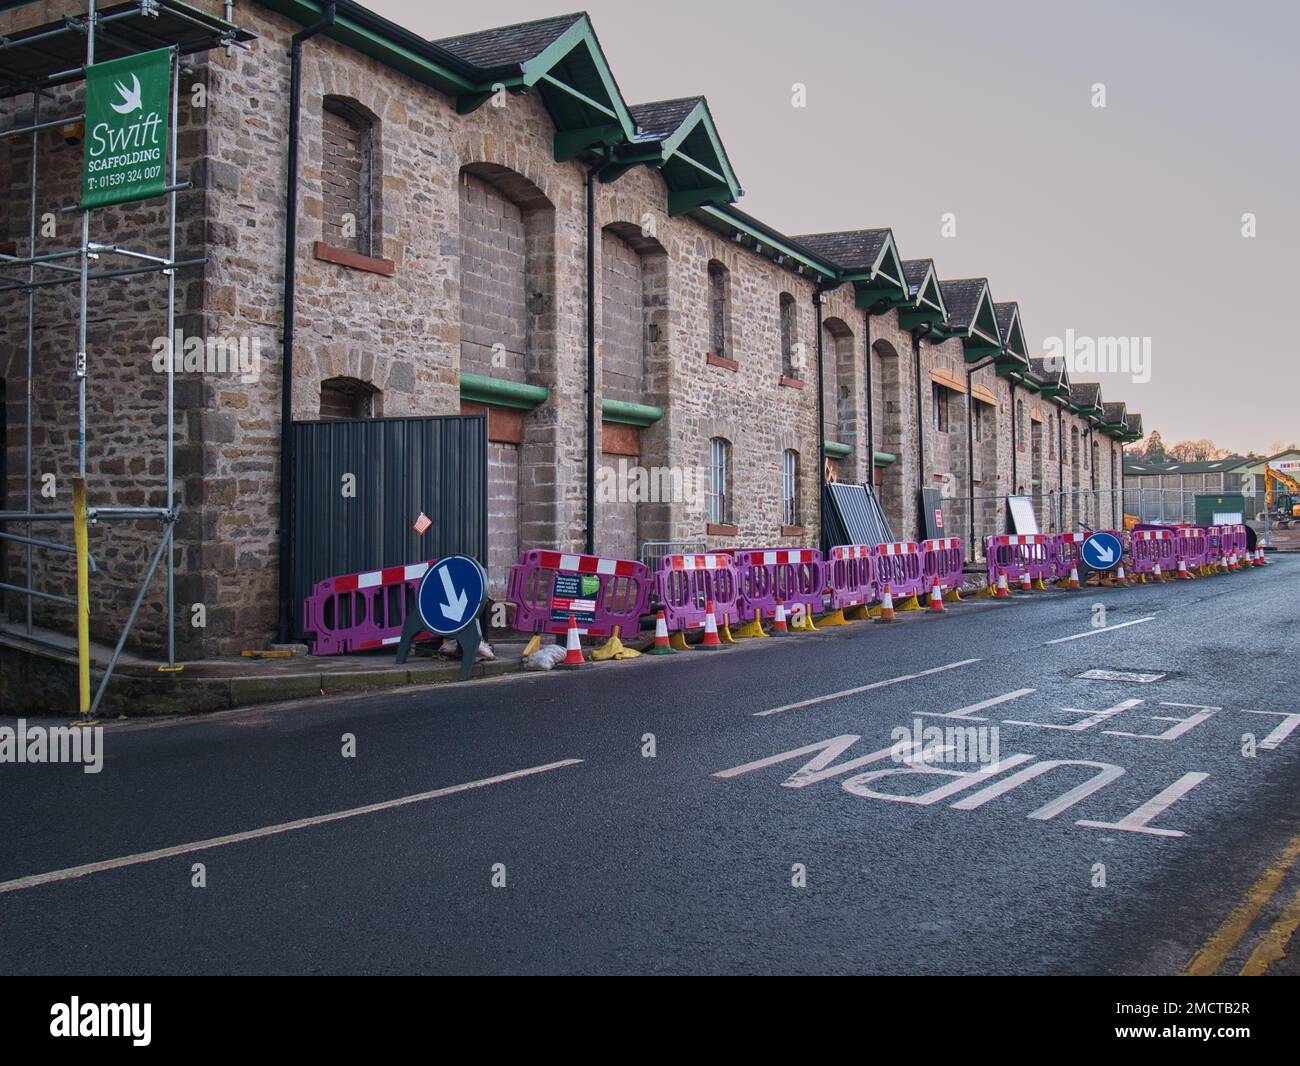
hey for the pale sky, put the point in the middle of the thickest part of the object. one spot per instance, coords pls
(1117, 222)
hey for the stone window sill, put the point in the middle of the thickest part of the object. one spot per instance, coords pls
(327, 253)
(792, 531)
(721, 361)
(719, 529)
(791, 383)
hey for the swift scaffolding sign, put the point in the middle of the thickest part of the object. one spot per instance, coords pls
(124, 155)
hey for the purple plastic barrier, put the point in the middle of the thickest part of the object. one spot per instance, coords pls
(1018, 554)
(1238, 542)
(898, 564)
(686, 584)
(1191, 545)
(548, 586)
(1066, 554)
(942, 557)
(359, 612)
(1147, 546)
(794, 575)
(851, 575)
(1218, 544)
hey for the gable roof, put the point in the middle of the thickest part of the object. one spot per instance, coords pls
(971, 317)
(1085, 395)
(868, 258)
(503, 47)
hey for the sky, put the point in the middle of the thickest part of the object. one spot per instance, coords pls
(1122, 221)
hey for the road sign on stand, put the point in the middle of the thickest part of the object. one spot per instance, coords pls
(451, 597)
(1102, 551)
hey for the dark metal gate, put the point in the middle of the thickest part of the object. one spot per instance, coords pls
(359, 484)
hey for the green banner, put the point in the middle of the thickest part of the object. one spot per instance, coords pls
(127, 104)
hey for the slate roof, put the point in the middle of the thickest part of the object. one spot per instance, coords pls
(855, 251)
(1173, 466)
(1045, 370)
(662, 118)
(1085, 393)
(507, 46)
(914, 271)
(1135, 423)
(962, 299)
(1114, 413)
(1004, 313)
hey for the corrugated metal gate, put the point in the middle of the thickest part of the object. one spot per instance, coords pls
(399, 467)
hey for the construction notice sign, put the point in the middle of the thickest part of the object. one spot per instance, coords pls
(575, 594)
(124, 154)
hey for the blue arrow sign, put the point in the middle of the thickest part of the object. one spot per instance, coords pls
(1102, 551)
(452, 594)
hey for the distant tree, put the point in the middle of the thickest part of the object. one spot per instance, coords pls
(1193, 451)
(1278, 446)
(1155, 449)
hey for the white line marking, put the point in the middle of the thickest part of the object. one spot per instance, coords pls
(1136, 821)
(1284, 729)
(862, 688)
(270, 830)
(966, 712)
(1104, 629)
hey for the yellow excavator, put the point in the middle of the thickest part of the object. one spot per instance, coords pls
(1286, 512)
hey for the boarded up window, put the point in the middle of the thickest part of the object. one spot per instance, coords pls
(346, 178)
(789, 337)
(718, 325)
(347, 398)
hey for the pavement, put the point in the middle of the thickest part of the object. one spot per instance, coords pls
(759, 809)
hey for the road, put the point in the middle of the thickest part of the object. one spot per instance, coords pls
(1160, 842)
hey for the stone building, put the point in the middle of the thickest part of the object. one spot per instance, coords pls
(440, 266)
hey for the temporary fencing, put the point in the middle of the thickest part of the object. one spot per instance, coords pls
(546, 587)
(362, 611)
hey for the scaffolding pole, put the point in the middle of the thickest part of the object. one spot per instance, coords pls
(180, 39)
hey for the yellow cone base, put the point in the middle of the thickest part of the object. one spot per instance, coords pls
(677, 640)
(614, 649)
(910, 603)
(532, 647)
(953, 596)
(834, 618)
(988, 592)
(804, 624)
(724, 634)
(857, 614)
(1038, 584)
(751, 629)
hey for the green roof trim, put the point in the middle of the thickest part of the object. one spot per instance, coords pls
(836, 450)
(576, 85)
(885, 458)
(630, 414)
(735, 223)
(497, 392)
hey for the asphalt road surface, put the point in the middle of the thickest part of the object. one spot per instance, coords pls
(747, 810)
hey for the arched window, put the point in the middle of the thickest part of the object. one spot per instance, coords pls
(789, 336)
(790, 488)
(719, 310)
(349, 187)
(720, 512)
(347, 398)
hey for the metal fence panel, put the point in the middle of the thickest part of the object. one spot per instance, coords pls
(359, 484)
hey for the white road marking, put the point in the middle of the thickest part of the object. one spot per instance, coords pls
(1284, 729)
(1119, 675)
(271, 830)
(1106, 773)
(1094, 717)
(1180, 726)
(1136, 822)
(862, 688)
(1103, 629)
(965, 712)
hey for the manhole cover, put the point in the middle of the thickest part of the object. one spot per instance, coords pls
(1121, 675)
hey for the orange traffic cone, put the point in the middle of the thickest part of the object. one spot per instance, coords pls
(1156, 575)
(1232, 562)
(1259, 556)
(1183, 575)
(1003, 591)
(779, 626)
(710, 629)
(573, 648)
(662, 646)
(886, 605)
(1025, 584)
(1073, 583)
(936, 597)
(1121, 578)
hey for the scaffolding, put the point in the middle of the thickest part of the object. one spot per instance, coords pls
(36, 61)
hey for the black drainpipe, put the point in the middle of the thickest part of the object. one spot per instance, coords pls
(591, 360)
(1015, 443)
(1060, 467)
(970, 448)
(285, 624)
(821, 418)
(917, 334)
(871, 405)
